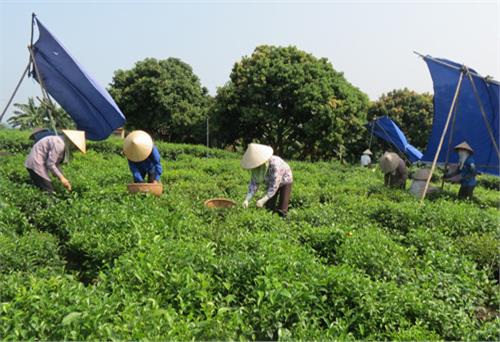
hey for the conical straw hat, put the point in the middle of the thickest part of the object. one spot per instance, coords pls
(256, 155)
(137, 146)
(367, 151)
(389, 162)
(77, 138)
(422, 174)
(464, 146)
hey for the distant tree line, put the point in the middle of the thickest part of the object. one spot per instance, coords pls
(280, 96)
(32, 114)
(412, 112)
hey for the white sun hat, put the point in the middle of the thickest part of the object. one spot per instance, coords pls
(256, 155)
(137, 146)
(389, 162)
(368, 152)
(464, 146)
(77, 138)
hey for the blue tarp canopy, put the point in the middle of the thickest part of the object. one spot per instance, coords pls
(89, 104)
(387, 130)
(467, 122)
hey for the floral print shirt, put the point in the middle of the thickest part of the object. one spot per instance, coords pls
(278, 174)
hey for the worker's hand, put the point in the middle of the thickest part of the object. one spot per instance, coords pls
(245, 204)
(66, 183)
(155, 182)
(262, 201)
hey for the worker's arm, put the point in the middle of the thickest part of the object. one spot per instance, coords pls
(135, 172)
(56, 152)
(252, 189)
(451, 173)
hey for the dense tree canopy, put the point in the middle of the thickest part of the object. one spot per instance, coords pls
(293, 101)
(30, 115)
(164, 98)
(413, 112)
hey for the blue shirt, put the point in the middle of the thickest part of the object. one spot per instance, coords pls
(149, 165)
(468, 172)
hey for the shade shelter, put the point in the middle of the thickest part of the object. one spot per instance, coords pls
(62, 78)
(387, 130)
(466, 108)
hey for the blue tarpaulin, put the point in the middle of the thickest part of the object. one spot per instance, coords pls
(89, 104)
(467, 123)
(387, 130)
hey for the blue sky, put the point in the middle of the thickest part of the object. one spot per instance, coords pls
(372, 42)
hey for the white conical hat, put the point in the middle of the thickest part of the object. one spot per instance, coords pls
(422, 174)
(367, 151)
(389, 162)
(256, 155)
(137, 146)
(464, 146)
(77, 138)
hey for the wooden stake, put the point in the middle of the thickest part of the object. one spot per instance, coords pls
(442, 137)
(449, 144)
(15, 90)
(45, 94)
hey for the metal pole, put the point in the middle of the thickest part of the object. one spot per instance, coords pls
(15, 90)
(492, 137)
(442, 137)
(32, 27)
(42, 85)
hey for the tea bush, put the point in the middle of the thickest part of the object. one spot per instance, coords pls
(29, 251)
(352, 261)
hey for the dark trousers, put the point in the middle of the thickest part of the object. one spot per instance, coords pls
(284, 193)
(394, 181)
(40, 182)
(466, 191)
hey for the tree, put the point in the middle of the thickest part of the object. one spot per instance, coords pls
(412, 112)
(30, 115)
(164, 98)
(294, 102)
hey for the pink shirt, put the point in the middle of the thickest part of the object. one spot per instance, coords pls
(45, 156)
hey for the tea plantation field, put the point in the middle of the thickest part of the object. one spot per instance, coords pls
(352, 261)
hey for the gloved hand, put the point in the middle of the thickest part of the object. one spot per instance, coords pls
(262, 201)
(66, 183)
(247, 199)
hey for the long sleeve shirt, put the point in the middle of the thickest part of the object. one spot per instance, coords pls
(150, 164)
(398, 179)
(468, 172)
(278, 174)
(45, 156)
(365, 160)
